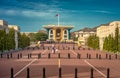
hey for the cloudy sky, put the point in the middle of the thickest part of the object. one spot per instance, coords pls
(32, 15)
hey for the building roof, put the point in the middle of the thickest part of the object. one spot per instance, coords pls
(55, 26)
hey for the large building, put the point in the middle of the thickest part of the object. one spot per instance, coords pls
(58, 33)
(105, 30)
(4, 25)
(83, 34)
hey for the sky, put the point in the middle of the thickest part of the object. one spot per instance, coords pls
(32, 15)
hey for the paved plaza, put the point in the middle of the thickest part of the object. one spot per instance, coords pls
(68, 58)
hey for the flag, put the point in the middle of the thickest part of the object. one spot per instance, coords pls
(57, 15)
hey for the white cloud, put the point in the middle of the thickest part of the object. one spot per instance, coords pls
(30, 13)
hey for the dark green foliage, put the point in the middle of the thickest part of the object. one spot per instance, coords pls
(7, 40)
(112, 43)
(23, 40)
(93, 41)
(109, 43)
(32, 37)
(41, 36)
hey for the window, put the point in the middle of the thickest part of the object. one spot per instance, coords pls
(51, 32)
(65, 32)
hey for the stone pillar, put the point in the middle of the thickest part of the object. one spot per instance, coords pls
(68, 34)
(16, 40)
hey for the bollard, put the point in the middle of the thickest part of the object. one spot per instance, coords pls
(76, 73)
(58, 55)
(7, 56)
(60, 74)
(44, 76)
(115, 56)
(89, 56)
(28, 56)
(83, 48)
(100, 56)
(97, 56)
(39, 55)
(12, 73)
(69, 55)
(108, 73)
(48, 48)
(1, 55)
(91, 74)
(106, 56)
(18, 56)
(109, 57)
(73, 48)
(78, 56)
(49, 55)
(28, 73)
(11, 55)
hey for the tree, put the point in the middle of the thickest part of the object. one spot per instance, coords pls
(93, 41)
(32, 37)
(41, 36)
(2, 40)
(116, 39)
(23, 40)
(11, 39)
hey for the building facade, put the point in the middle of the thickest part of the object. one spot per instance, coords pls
(4, 25)
(106, 30)
(83, 35)
(58, 33)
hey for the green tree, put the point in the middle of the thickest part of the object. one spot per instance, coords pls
(11, 39)
(32, 37)
(93, 41)
(116, 39)
(2, 40)
(41, 36)
(23, 40)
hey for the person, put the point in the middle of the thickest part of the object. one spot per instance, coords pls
(53, 48)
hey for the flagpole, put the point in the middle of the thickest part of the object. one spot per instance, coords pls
(58, 20)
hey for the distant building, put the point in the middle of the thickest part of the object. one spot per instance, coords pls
(43, 31)
(27, 33)
(105, 30)
(4, 25)
(83, 34)
(58, 33)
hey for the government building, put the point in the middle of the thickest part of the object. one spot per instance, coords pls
(106, 30)
(83, 35)
(4, 25)
(58, 33)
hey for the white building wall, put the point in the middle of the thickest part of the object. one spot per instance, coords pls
(104, 31)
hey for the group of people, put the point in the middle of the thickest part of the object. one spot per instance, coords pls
(54, 50)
